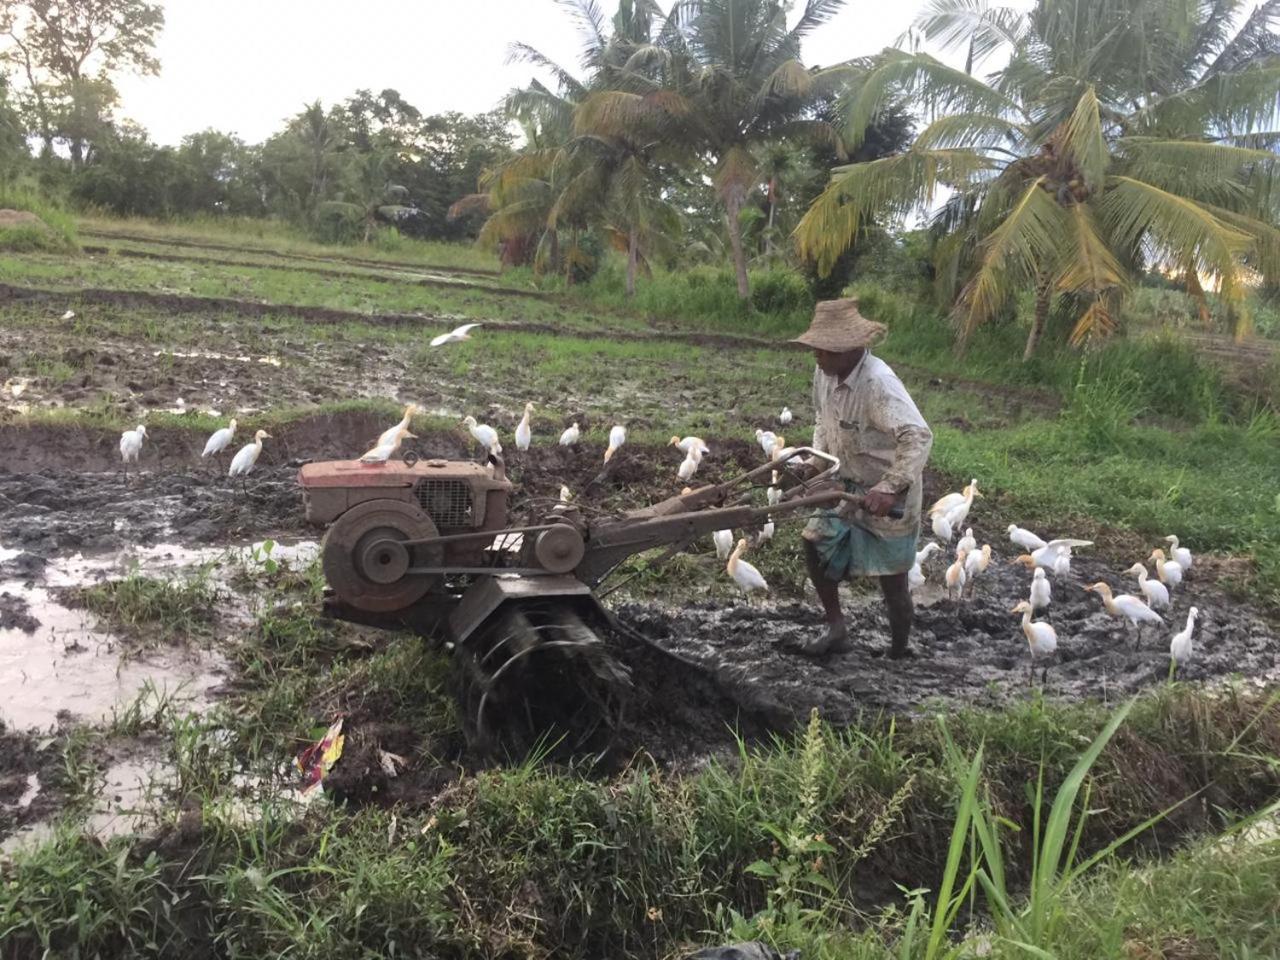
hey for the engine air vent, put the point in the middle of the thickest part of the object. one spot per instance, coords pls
(447, 502)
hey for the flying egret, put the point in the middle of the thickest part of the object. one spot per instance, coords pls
(571, 435)
(1180, 555)
(967, 542)
(455, 336)
(767, 440)
(1180, 645)
(387, 435)
(685, 444)
(1125, 606)
(524, 435)
(1025, 538)
(1157, 593)
(723, 539)
(915, 576)
(955, 575)
(689, 465)
(1169, 571)
(131, 446)
(242, 463)
(483, 434)
(1042, 639)
(617, 437)
(385, 448)
(220, 439)
(744, 574)
(1041, 593)
(785, 416)
(975, 565)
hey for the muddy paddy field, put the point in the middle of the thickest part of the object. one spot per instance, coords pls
(164, 644)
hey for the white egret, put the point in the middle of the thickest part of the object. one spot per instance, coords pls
(69, 315)
(524, 434)
(571, 435)
(744, 574)
(1051, 554)
(1042, 639)
(565, 494)
(685, 444)
(387, 446)
(942, 527)
(1180, 645)
(915, 576)
(723, 539)
(1169, 571)
(220, 439)
(765, 534)
(131, 446)
(1180, 555)
(483, 434)
(385, 437)
(952, 500)
(967, 542)
(1041, 593)
(955, 576)
(456, 335)
(774, 493)
(784, 417)
(689, 465)
(1125, 606)
(975, 565)
(767, 440)
(1157, 593)
(1025, 538)
(617, 437)
(242, 463)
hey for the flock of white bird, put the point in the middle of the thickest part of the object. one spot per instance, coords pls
(946, 516)
(1052, 558)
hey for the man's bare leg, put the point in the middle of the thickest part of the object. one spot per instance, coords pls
(897, 601)
(828, 590)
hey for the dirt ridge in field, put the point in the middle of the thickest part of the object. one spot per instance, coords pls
(267, 251)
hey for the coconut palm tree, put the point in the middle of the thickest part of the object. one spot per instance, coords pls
(1113, 139)
(738, 63)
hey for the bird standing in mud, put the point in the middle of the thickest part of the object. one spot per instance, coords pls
(1169, 571)
(1041, 593)
(1180, 644)
(219, 440)
(1125, 606)
(744, 574)
(130, 447)
(456, 335)
(952, 500)
(1054, 556)
(689, 465)
(1042, 639)
(684, 445)
(617, 437)
(784, 417)
(975, 565)
(524, 433)
(242, 463)
(915, 576)
(967, 542)
(387, 445)
(571, 435)
(723, 539)
(768, 440)
(1180, 555)
(1025, 538)
(483, 434)
(1157, 593)
(955, 575)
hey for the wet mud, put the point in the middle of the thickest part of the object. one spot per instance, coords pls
(969, 652)
(15, 613)
(32, 779)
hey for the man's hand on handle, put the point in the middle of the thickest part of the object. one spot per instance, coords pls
(878, 503)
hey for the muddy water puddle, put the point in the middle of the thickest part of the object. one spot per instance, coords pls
(61, 663)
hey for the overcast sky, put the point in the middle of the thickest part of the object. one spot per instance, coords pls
(244, 66)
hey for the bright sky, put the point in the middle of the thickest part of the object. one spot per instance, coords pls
(244, 66)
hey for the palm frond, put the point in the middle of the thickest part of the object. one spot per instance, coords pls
(1214, 31)
(1216, 173)
(1097, 322)
(816, 13)
(591, 24)
(968, 130)
(1026, 244)
(1082, 138)
(1257, 38)
(891, 187)
(1089, 265)
(983, 29)
(471, 203)
(790, 81)
(524, 53)
(1177, 229)
(931, 85)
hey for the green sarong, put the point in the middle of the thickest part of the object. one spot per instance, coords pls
(848, 549)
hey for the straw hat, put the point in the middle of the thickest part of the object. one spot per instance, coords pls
(838, 327)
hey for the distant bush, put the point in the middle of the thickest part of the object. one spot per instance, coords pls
(55, 234)
(780, 290)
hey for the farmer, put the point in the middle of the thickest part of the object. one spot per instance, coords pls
(864, 416)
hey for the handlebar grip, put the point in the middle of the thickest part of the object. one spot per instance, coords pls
(897, 512)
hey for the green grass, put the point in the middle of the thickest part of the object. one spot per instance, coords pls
(58, 234)
(153, 610)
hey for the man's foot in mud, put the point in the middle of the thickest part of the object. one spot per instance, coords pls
(891, 653)
(834, 640)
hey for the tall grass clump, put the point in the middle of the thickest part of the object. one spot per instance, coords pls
(58, 233)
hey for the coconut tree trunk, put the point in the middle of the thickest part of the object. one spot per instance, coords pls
(633, 256)
(773, 206)
(554, 253)
(732, 208)
(1044, 295)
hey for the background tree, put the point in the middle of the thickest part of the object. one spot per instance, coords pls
(1102, 146)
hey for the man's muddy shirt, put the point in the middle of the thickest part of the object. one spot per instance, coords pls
(871, 423)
